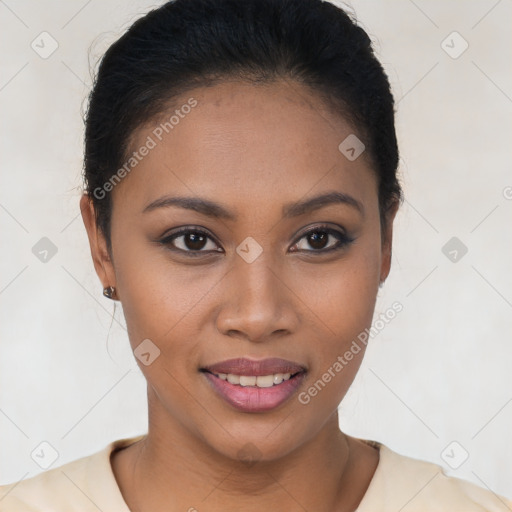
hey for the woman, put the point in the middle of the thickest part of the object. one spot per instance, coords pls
(240, 169)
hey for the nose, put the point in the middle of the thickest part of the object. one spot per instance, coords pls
(257, 304)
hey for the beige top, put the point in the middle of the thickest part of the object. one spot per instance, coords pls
(398, 484)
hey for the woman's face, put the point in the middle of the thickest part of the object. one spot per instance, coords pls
(252, 292)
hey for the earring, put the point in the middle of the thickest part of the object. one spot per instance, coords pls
(109, 292)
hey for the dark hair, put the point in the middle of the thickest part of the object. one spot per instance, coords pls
(186, 44)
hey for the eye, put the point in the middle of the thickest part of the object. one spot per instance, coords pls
(194, 241)
(322, 239)
(190, 240)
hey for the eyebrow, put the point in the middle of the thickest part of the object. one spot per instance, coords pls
(215, 210)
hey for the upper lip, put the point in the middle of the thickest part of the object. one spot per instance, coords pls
(244, 366)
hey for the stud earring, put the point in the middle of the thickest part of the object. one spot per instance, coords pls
(109, 292)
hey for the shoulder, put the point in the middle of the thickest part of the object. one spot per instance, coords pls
(414, 485)
(86, 484)
(54, 489)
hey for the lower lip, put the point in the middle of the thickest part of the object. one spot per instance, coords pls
(252, 398)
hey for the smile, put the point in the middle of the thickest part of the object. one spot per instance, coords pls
(259, 381)
(254, 386)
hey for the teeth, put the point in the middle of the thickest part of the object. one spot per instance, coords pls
(279, 377)
(260, 381)
(246, 380)
(265, 381)
(233, 379)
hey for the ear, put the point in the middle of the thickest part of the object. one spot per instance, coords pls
(100, 255)
(387, 240)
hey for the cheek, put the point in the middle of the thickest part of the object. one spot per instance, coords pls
(341, 296)
(167, 304)
(156, 293)
(341, 302)
(161, 301)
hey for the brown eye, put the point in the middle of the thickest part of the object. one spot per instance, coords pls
(194, 241)
(318, 239)
(321, 240)
(190, 241)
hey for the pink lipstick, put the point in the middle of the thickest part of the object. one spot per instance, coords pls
(255, 385)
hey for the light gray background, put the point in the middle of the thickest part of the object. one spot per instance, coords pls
(439, 372)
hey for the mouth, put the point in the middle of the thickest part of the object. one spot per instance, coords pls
(255, 386)
(259, 381)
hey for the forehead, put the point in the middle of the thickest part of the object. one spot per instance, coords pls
(245, 142)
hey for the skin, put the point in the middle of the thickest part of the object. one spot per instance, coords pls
(251, 149)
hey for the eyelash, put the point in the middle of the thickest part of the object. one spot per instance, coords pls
(343, 240)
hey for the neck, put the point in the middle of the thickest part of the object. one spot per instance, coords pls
(172, 469)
